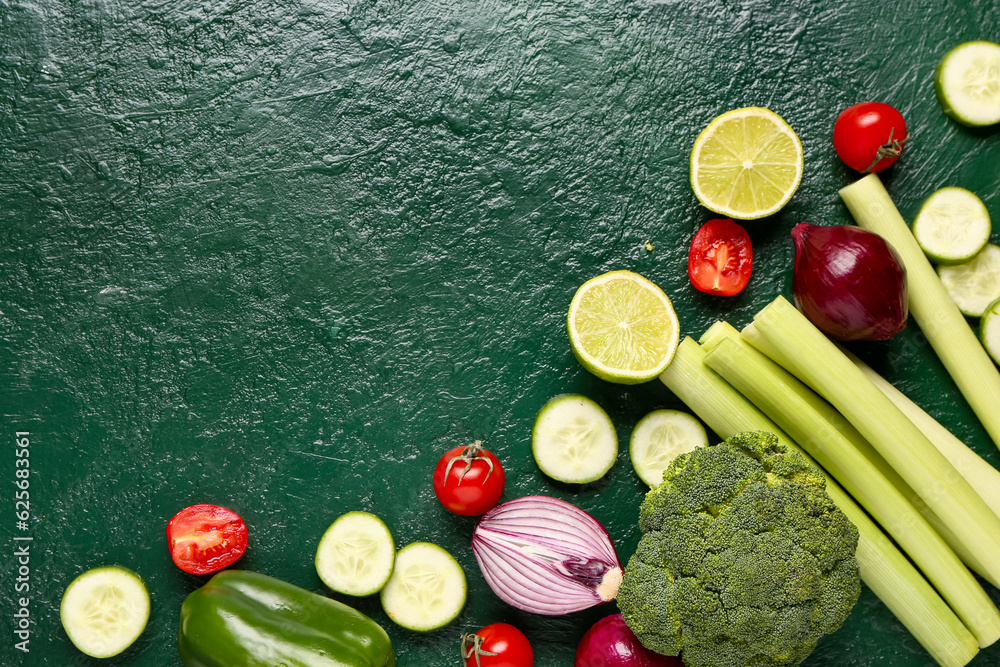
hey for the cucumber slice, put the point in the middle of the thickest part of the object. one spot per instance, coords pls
(356, 554)
(967, 82)
(989, 330)
(104, 610)
(952, 226)
(659, 438)
(427, 588)
(976, 284)
(573, 440)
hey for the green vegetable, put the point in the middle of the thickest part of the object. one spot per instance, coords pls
(573, 440)
(884, 569)
(427, 589)
(974, 285)
(244, 619)
(659, 438)
(952, 226)
(781, 397)
(356, 554)
(745, 559)
(815, 360)
(104, 610)
(967, 83)
(989, 331)
(938, 316)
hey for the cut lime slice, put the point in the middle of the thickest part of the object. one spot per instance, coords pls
(659, 438)
(976, 284)
(622, 327)
(952, 226)
(356, 554)
(427, 589)
(989, 330)
(573, 440)
(104, 610)
(746, 164)
(967, 83)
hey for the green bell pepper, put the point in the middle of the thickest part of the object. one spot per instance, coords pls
(245, 619)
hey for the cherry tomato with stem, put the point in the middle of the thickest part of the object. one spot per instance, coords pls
(721, 258)
(468, 480)
(869, 136)
(497, 645)
(206, 538)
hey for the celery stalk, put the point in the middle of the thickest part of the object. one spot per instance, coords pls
(938, 316)
(820, 364)
(752, 336)
(884, 569)
(983, 477)
(776, 393)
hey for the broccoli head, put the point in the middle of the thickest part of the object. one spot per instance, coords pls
(744, 559)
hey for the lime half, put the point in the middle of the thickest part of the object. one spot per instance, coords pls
(622, 327)
(746, 164)
(573, 440)
(659, 438)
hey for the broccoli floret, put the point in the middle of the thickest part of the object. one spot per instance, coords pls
(744, 559)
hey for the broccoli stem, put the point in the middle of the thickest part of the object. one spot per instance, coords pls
(817, 361)
(807, 419)
(884, 569)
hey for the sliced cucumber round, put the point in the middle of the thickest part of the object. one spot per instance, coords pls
(104, 610)
(356, 554)
(967, 82)
(573, 440)
(989, 330)
(976, 284)
(427, 589)
(659, 438)
(952, 226)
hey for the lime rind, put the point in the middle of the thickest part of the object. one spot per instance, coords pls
(355, 556)
(573, 440)
(104, 610)
(967, 83)
(974, 285)
(724, 153)
(952, 226)
(427, 589)
(622, 328)
(659, 438)
(989, 330)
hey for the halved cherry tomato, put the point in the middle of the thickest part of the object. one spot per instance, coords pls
(468, 480)
(869, 136)
(497, 645)
(206, 538)
(721, 258)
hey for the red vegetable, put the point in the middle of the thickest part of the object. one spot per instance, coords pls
(468, 480)
(543, 555)
(721, 258)
(497, 645)
(869, 136)
(206, 538)
(611, 643)
(849, 282)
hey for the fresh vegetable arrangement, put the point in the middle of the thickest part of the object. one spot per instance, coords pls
(751, 550)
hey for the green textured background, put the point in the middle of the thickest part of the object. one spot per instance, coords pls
(281, 255)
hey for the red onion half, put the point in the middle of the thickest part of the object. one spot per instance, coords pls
(849, 282)
(611, 643)
(543, 555)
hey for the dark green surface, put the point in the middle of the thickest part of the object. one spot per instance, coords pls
(281, 255)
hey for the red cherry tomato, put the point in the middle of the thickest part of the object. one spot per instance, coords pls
(721, 258)
(468, 480)
(497, 645)
(206, 538)
(869, 136)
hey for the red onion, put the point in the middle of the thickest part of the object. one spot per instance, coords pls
(849, 282)
(543, 555)
(611, 643)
